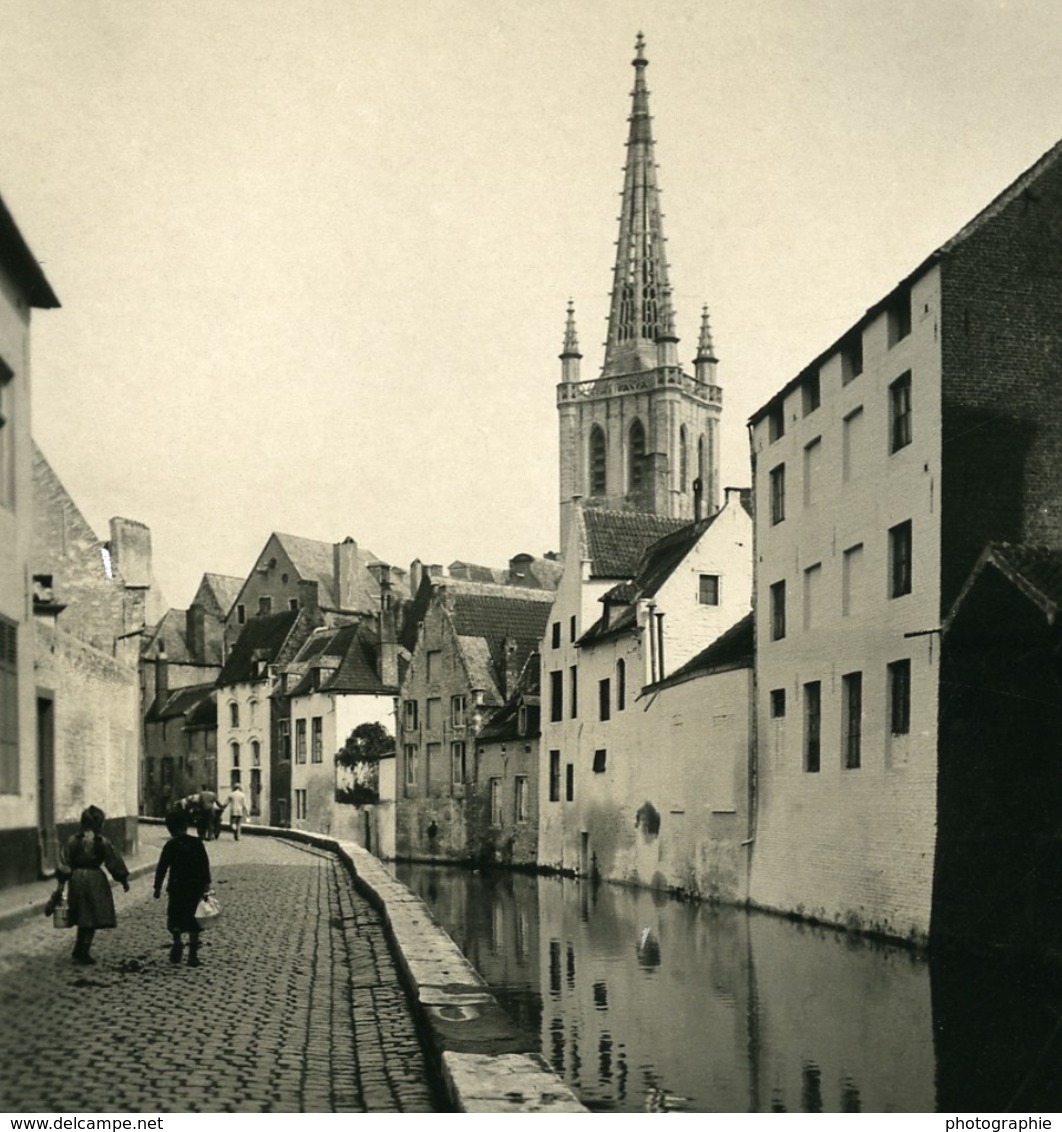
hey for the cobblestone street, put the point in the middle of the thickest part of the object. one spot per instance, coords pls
(297, 1006)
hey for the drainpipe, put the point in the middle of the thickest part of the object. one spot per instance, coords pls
(660, 641)
(652, 644)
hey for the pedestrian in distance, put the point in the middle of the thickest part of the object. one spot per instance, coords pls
(236, 803)
(185, 859)
(204, 822)
(89, 901)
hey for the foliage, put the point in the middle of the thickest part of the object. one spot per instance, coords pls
(368, 742)
(357, 795)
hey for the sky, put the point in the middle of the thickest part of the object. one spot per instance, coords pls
(314, 255)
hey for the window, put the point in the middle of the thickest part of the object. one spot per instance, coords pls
(432, 665)
(898, 314)
(457, 762)
(900, 559)
(777, 611)
(7, 435)
(521, 720)
(778, 493)
(812, 726)
(851, 357)
(457, 711)
(300, 805)
(777, 703)
(317, 739)
(900, 412)
(621, 685)
(433, 713)
(234, 714)
(574, 690)
(812, 586)
(572, 628)
(495, 801)
(241, 614)
(776, 422)
(600, 758)
(700, 460)
(636, 457)
(409, 752)
(234, 753)
(284, 736)
(684, 459)
(852, 581)
(409, 715)
(432, 755)
(598, 480)
(708, 589)
(265, 604)
(810, 397)
(851, 441)
(569, 782)
(252, 712)
(900, 697)
(812, 470)
(300, 740)
(555, 632)
(604, 698)
(554, 776)
(521, 799)
(256, 753)
(852, 719)
(293, 603)
(556, 696)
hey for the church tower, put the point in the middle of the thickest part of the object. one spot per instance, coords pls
(643, 436)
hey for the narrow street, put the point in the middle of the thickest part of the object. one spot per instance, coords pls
(297, 1006)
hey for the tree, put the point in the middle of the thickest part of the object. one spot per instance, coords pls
(368, 742)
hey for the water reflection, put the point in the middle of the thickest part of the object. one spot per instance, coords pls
(644, 1003)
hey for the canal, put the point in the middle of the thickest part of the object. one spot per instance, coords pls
(644, 1002)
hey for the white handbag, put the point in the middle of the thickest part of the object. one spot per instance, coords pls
(207, 910)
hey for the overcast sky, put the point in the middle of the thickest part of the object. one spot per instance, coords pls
(314, 255)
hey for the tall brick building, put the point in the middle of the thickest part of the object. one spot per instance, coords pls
(644, 434)
(930, 428)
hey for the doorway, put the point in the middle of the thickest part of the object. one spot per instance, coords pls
(46, 834)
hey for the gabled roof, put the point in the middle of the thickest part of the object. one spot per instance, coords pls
(1010, 194)
(657, 563)
(171, 633)
(263, 639)
(734, 649)
(21, 264)
(223, 588)
(1035, 571)
(504, 724)
(181, 702)
(614, 541)
(349, 654)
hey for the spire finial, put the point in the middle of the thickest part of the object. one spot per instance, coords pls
(705, 349)
(639, 59)
(571, 339)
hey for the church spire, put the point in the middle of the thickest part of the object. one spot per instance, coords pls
(704, 362)
(570, 355)
(638, 314)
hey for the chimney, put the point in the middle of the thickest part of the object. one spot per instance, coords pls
(416, 572)
(130, 551)
(195, 630)
(511, 674)
(162, 678)
(520, 570)
(388, 662)
(345, 574)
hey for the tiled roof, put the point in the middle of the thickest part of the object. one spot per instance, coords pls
(170, 632)
(734, 649)
(225, 589)
(263, 638)
(504, 723)
(1036, 571)
(616, 540)
(358, 671)
(315, 562)
(470, 572)
(181, 702)
(481, 666)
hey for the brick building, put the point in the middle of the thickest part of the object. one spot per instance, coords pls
(468, 645)
(24, 811)
(641, 597)
(930, 428)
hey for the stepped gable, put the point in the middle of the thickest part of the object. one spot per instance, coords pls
(263, 638)
(614, 541)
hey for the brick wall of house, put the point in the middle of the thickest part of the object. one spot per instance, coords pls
(851, 846)
(1002, 370)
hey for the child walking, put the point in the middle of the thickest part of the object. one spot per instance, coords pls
(185, 859)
